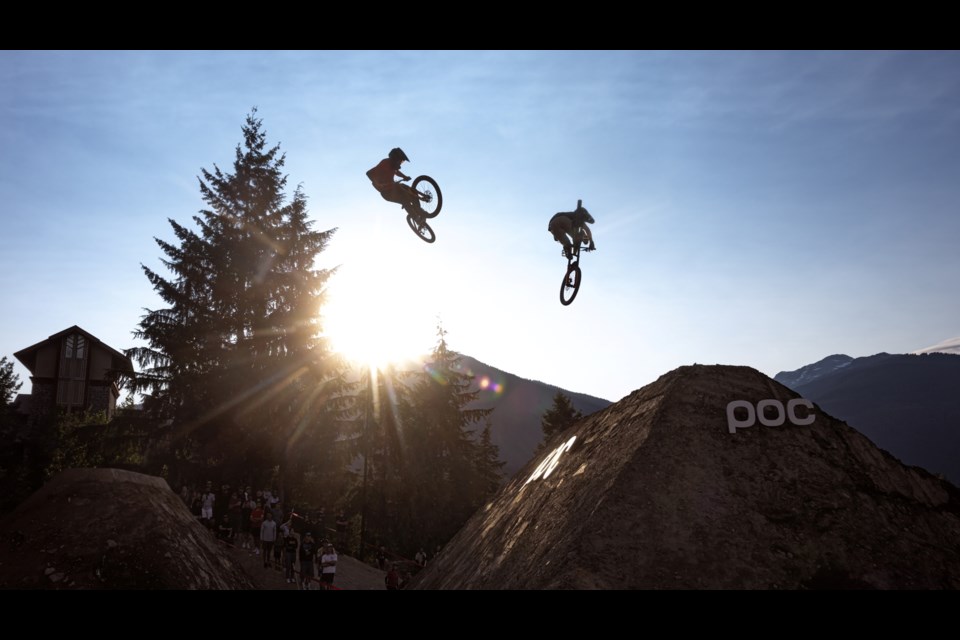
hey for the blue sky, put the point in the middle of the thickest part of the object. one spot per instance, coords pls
(764, 209)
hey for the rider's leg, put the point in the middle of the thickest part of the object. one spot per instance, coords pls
(391, 195)
(560, 231)
(409, 199)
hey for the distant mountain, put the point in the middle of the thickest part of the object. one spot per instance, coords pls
(518, 404)
(809, 373)
(908, 404)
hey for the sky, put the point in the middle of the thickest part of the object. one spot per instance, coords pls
(752, 208)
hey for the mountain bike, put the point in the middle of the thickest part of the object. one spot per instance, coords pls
(571, 279)
(428, 194)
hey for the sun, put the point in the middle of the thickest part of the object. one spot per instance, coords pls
(373, 316)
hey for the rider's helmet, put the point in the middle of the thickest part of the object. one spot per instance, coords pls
(586, 215)
(398, 156)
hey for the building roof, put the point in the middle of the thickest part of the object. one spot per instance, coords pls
(120, 362)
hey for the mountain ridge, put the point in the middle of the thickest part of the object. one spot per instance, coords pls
(905, 403)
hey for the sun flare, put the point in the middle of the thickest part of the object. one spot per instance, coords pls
(374, 315)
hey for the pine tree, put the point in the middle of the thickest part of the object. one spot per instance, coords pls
(558, 417)
(444, 476)
(9, 382)
(235, 359)
(489, 465)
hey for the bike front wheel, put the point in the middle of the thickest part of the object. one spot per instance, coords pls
(421, 228)
(429, 193)
(571, 284)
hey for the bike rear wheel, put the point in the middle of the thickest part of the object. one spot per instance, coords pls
(421, 228)
(430, 197)
(571, 284)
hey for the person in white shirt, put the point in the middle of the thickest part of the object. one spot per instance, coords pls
(207, 500)
(328, 564)
(268, 536)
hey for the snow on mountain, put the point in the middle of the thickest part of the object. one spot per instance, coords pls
(810, 372)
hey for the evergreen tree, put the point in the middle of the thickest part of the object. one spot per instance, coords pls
(558, 417)
(489, 465)
(9, 382)
(235, 358)
(444, 481)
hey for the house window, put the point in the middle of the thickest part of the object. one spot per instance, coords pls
(73, 371)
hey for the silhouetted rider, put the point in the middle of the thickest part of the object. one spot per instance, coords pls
(382, 178)
(570, 227)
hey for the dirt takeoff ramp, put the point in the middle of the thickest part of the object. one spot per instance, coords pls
(110, 529)
(674, 487)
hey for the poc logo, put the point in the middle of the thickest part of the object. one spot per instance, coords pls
(734, 423)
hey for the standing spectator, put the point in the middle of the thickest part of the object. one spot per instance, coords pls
(328, 565)
(382, 558)
(289, 552)
(392, 579)
(196, 507)
(268, 537)
(278, 547)
(234, 511)
(186, 495)
(308, 553)
(206, 509)
(256, 520)
(421, 557)
(275, 502)
(246, 508)
(301, 521)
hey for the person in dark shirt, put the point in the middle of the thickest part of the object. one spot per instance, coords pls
(224, 529)
(392, 579)
(290, 545)
(308, 554)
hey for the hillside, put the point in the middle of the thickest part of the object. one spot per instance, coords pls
(663, 490)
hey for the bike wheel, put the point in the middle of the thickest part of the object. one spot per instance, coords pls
(571, 284)
(421, 228)
(430, 197)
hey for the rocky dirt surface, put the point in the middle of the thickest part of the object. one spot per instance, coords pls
(111, 529)
(655, 492)
(114, 529)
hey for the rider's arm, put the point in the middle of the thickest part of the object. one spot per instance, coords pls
(588, 236)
